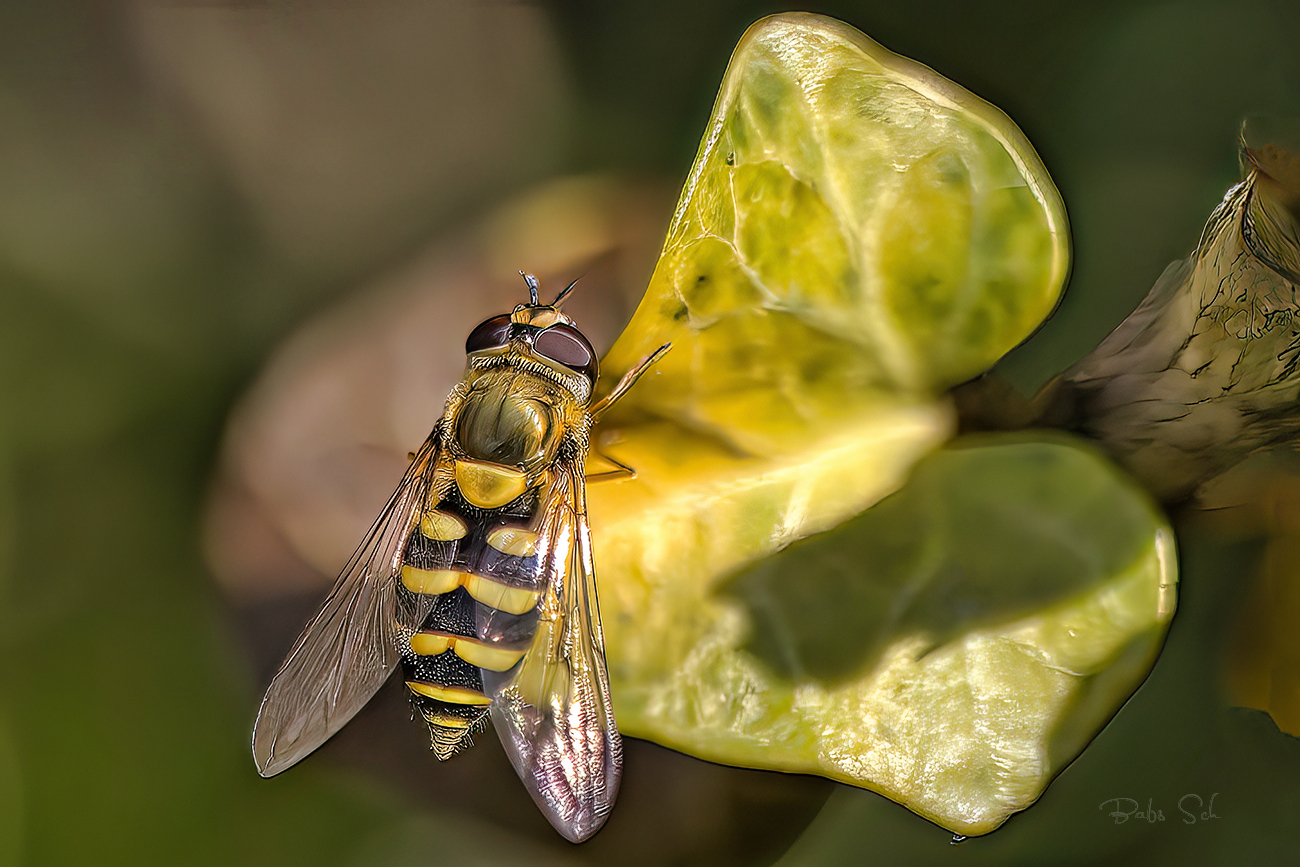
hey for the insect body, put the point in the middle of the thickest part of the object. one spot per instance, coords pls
(477, 579)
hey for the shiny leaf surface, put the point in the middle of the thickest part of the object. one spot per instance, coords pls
(952, 647)
(856, 235)
(853, 223)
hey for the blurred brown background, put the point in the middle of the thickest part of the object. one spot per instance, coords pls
(185, 185)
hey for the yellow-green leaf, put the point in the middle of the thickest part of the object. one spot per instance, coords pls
(849, 199)
(856, 236)
(952, 647)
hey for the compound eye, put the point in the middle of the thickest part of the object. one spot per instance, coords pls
(491, 334)
(565, 344)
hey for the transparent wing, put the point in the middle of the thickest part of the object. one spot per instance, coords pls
(349, 647)
(553, 710)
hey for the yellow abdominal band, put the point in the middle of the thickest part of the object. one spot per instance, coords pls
(431, 582)
(449, 694)
(471, 650)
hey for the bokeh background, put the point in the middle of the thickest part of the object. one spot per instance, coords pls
(183, 186)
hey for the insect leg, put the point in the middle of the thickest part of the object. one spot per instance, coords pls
(629, 379)
(621, 471)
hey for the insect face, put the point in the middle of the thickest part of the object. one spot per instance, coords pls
(536, 334)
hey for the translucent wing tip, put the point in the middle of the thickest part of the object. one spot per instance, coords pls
(576, 822)
(279, 743)
(579, 831)
(573, 774)
(264, 753)
(267, 765)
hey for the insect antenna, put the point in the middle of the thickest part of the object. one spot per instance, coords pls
(564, 292)
(532, 286)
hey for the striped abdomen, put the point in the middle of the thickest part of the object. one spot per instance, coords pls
(482, 568)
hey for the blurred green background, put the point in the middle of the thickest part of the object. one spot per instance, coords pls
(183, 184)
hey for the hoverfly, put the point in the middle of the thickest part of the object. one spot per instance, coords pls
(477, 578)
